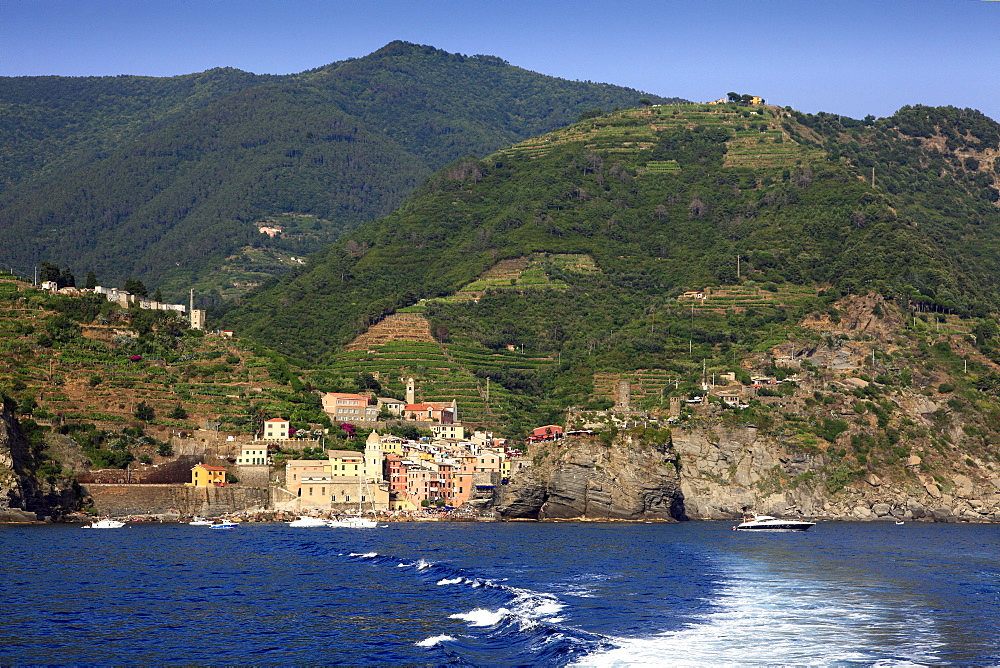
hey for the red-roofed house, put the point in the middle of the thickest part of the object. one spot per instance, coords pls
(549, 432)
(345, 407)
(207, 476)
(432, 411)
(276, 429)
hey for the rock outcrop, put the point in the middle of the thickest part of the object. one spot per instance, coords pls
(710, 472)
(723, 471)
(23, 497)
(584, 478)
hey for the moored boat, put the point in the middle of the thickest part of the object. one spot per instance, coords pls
(224, 524)
(200, 522)
(352, 522)
(106, 523)
(305, 521)
(754, 522)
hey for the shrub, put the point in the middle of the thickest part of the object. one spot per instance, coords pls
(144, 412)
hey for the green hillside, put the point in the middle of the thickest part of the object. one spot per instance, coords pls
(164, 179)
(804, 216)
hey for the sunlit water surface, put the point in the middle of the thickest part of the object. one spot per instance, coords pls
(502, 594)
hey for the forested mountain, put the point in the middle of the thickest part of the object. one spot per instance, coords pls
(667, 199)
(162, 179)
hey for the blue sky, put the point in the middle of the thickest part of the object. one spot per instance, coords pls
(851, 57)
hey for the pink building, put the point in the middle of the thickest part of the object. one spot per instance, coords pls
(298, 471)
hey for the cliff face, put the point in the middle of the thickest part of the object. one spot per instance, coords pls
(709, 472)
(583, 478)
(23, 497)
(723, 471)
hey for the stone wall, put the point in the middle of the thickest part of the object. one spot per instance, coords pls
(159, 499)
(253, 476)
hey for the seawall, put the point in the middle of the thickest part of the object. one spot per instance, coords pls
(139, 499)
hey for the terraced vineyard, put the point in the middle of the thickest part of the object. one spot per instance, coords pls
(441, 372)
(758, 138)
(523, 273)
(752, 295)
(648, 385)
(90, 373)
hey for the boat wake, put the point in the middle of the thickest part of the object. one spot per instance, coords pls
(776, 621)
(503, 621)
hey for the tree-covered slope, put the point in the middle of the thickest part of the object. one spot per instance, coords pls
(164, 178)
(663, 199)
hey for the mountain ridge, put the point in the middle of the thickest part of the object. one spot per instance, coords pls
(200, 158)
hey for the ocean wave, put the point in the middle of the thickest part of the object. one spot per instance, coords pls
(366, 555)
(434, 640)
(450, 581)
(482, 616)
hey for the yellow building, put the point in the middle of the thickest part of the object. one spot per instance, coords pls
(756, 100)
(206, 476)
(346, 462)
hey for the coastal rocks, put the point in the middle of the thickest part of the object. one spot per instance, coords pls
(23, 497)
(881, 509)
(584, 478)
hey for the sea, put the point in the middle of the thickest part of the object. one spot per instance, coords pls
(502, 594)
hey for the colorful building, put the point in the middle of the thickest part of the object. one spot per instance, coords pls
(276, 429)
(349, 407)
(207, 476)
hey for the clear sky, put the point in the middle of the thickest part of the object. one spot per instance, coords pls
(851, 57)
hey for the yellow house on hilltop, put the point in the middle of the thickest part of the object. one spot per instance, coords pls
(206, 476)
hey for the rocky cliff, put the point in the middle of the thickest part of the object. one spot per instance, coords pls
(708, 471)
(726, 470)
(24, 495)
(632, 477)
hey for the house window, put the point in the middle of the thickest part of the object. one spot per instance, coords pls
(310, 491)
(322, 490)
(347, 498)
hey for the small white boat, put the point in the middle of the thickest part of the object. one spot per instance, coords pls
(106, 523)
(200, 522)
(352, 522)
(304, 521)
(754, 522)
(223, 524)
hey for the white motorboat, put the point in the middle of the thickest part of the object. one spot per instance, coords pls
(200, 522)
(106, 523)
(223, 524)
(756, 522)
(352, 522)
(304, 521)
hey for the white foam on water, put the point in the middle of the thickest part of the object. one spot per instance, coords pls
(366, 555)
(451, 581)
(403, 565)
(434, 640)
(786, 622)
(482, 616)
(422, 564)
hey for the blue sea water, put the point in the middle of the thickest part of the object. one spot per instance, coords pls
(694, 593)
